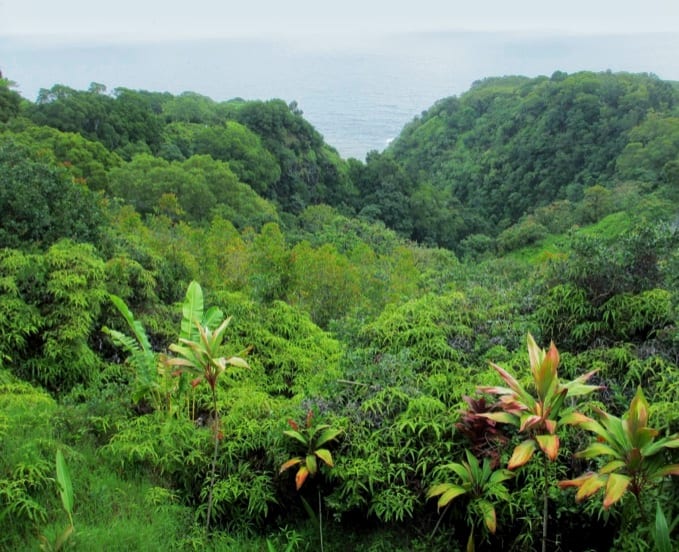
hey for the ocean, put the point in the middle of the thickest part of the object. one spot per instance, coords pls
(357, 91)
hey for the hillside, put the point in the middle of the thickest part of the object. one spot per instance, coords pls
(233, 339)
(479, 163)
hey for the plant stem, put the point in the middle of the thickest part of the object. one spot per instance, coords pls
(545, 505)
(214, 461)
(320, 519)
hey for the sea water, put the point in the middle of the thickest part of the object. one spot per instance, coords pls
(357, 91)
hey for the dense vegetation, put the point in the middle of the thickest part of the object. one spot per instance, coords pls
(216, 333)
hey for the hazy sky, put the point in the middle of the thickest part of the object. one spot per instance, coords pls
(149, 19)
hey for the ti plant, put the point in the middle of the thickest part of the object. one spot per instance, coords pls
(537, 414)
(200, 357)
(482, 484)
(632, 452)
(484, 435)
(312, 438)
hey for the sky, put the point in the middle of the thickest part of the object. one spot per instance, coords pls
(141, 20)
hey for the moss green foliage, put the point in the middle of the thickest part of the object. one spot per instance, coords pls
(374, 295)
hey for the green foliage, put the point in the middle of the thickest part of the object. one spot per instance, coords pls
(27, 441)
(510, 145)
(41, 203)
(314, 440)
(484, 486)
(633, 456)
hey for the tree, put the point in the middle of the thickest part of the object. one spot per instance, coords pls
(40, 203)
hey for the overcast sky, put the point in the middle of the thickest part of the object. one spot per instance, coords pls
(150, 19)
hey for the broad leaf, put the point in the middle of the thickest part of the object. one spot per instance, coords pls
(326, 435)
(290, 463)
(453, 492)
(661, 534)
(615, 488)
(597, 449)
(237, 362)
(301, 477)
(488, 515)
(589, 486)
(522, 453)
(297, 436)
(671, 469)
(502, 417)
(325, 455)
(192, 311)
(549, 445)
(311, 464)
(65, 485)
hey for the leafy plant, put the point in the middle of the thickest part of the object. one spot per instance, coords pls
(66, 493)
(633, 453)
(482, 484)
(312, 438)
(485, 437)
(142, 357)
(538, 414)
(199, 356)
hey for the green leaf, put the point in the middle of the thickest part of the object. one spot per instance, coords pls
(297, 436)
(311, 464)
(522, 453)
(327, 435)
(661, 535)
(612, 466)
(237, 362)
(452, 492)
(325, 455)
(597, 449)
(65, 485)
(192, 311)
(488, 512)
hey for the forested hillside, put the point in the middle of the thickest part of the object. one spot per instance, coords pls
(216, 333)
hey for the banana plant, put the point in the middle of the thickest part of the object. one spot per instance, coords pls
(311, 438)
(482, 484)
(199, 356)
(632, 452)
(142, 358)
(538, 412)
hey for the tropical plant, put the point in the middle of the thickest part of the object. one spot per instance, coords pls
(199, 356)
(312, 438)
(632, 452)
(482, 484)
(538, 414)
(142, 359)
(485, 436)
(66, 493)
